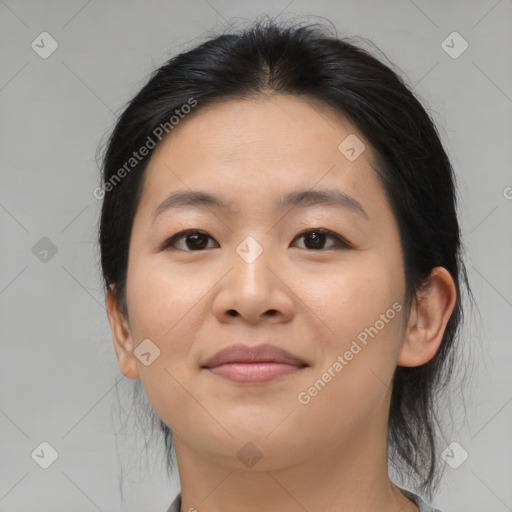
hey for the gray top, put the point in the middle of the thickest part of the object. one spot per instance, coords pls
(424, 507)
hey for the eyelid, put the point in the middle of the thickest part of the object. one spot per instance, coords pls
(167, 245)
(341, 241)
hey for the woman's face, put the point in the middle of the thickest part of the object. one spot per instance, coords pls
(257, 273)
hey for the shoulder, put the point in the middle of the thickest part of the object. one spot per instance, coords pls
(176, 504)
(424, 507)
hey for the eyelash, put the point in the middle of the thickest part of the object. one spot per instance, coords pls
(341, 243)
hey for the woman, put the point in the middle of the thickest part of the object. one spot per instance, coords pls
(282, 263)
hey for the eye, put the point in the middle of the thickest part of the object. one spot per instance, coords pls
(316, 239)
(196, 240)
(188, 240)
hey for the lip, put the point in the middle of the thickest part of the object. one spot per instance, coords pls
(262, 363)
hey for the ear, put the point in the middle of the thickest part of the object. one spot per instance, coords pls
(428, 319)
(123, 342)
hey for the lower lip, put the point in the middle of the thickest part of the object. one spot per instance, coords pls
(254, 372)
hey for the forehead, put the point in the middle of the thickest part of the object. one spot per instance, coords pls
(260, 147)
(263, 127)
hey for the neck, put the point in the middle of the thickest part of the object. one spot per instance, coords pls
(349, 477)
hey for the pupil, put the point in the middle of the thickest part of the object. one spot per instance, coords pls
(318, 239)
(197, 242)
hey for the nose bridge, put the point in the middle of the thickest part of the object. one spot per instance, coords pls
(251, 257)
(251, 249)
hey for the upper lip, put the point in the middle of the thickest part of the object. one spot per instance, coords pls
(246, 354)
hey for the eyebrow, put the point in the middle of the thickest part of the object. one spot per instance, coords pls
(297, 198)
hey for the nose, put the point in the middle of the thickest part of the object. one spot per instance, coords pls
(255, 289)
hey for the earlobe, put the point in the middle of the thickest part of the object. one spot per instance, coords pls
(121, 334)
(429, 316)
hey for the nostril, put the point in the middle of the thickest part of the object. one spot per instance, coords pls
(232, 312)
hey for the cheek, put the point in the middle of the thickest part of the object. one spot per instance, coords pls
(162, 297)
(364, 313)
(165, 307)
(361, 312)
(343, 301)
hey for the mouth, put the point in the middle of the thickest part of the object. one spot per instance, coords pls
(254, 372)
(251, 365)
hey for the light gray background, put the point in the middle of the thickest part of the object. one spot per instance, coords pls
(57, 363)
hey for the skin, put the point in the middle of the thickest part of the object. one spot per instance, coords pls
(329, 454)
